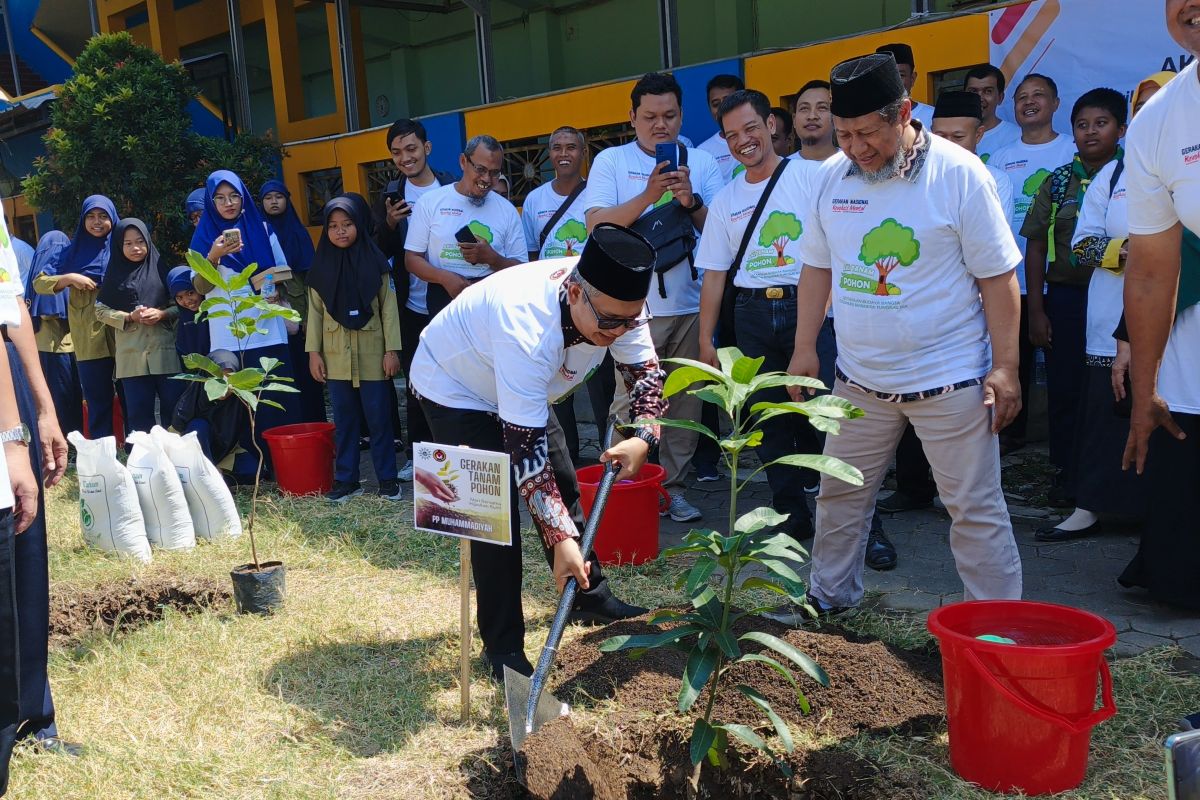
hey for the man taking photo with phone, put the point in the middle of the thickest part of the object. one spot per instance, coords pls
(630, 182)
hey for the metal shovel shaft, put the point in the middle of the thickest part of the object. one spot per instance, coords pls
(538, 682)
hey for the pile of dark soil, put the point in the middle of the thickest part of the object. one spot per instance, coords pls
(125, 605)
(641, 751)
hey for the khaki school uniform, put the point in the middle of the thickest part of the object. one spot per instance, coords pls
(352, 355)
(142, 349)
(53, 336)
(91, 338)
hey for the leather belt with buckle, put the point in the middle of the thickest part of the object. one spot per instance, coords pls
(771, 292)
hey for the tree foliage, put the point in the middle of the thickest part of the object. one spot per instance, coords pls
(570, 234)
(780, 228)
(120, 128)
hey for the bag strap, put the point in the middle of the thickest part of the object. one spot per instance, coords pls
(1116, 176)
(754, 218)
(559, 214)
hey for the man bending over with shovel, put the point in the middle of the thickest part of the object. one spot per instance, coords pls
(485, 370)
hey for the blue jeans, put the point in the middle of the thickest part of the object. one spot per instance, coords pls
(372, 403)
(96, 380)
(62, 378)
(140, 393)
(767, 328)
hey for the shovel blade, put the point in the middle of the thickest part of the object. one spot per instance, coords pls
(516, 697)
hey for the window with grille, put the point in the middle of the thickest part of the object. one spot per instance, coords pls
(320, 187)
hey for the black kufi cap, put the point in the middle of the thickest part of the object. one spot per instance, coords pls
(958, 104)
(902, 53)
(864, 85)
(617, 262)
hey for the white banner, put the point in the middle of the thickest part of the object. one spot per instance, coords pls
(1082, 45)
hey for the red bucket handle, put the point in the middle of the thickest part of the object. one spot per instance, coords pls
(664, 497)
(1078, 725)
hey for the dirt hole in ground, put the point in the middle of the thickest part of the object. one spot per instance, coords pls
(124, 605)
(640, 750)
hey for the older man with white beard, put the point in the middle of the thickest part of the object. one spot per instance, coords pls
(927, 304)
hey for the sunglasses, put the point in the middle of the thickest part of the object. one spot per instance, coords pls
(612, 323)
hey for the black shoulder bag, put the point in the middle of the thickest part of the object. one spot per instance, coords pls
(578, 190)
(725, 331)
(670, 230)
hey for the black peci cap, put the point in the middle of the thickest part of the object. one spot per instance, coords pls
(617, 262)
(901, 52)
(958, 104)
(863, 85)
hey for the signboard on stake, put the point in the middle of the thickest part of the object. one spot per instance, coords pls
(464, 493)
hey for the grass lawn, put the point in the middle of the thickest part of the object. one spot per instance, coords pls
(352, 690)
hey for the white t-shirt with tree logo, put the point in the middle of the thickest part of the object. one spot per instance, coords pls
(1027, 165)
(906, 257)
(997, 139)
(772, 257)
(569, 233)
(443, 211)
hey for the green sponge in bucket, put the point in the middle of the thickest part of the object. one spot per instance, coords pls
(991, 637)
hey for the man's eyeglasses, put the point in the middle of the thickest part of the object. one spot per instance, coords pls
(607, 323)
(227, 199)
(481, 170)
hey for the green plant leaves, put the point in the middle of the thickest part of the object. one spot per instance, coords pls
(745, 369)
(828, 465)
(202, 267)
(683, 377)
(703, 737)
(759, 518)
(699, 574)
(781, 728)
(804, 662)
(203, 363)
(647, 641)
(699, 667)
(685, 424)
(747, 735)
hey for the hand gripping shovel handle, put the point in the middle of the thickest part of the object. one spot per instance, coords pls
(538, 681)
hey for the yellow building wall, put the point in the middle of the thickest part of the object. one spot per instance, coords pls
(937, 47)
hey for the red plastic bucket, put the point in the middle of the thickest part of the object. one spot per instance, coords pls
(302, 456)
(1021, 715)
(628, 533)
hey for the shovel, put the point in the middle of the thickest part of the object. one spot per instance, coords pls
(529, 708)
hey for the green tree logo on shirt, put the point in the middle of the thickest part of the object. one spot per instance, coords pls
(85, 514)
(780, 228)
(481, 230)
(738, 170)
(571, 233)
(1034, 182)
(886, 247)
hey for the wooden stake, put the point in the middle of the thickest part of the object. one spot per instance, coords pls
(464, 590)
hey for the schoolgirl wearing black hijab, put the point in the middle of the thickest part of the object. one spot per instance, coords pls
(135, 301)
(353, 341)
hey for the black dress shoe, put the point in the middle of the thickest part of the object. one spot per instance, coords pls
(517, 662)
(900, 500)
(59, 747)
(1059, 535)
(608, 611)
(881, 553)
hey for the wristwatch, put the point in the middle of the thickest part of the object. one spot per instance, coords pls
(18, 434)
(697, 204)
